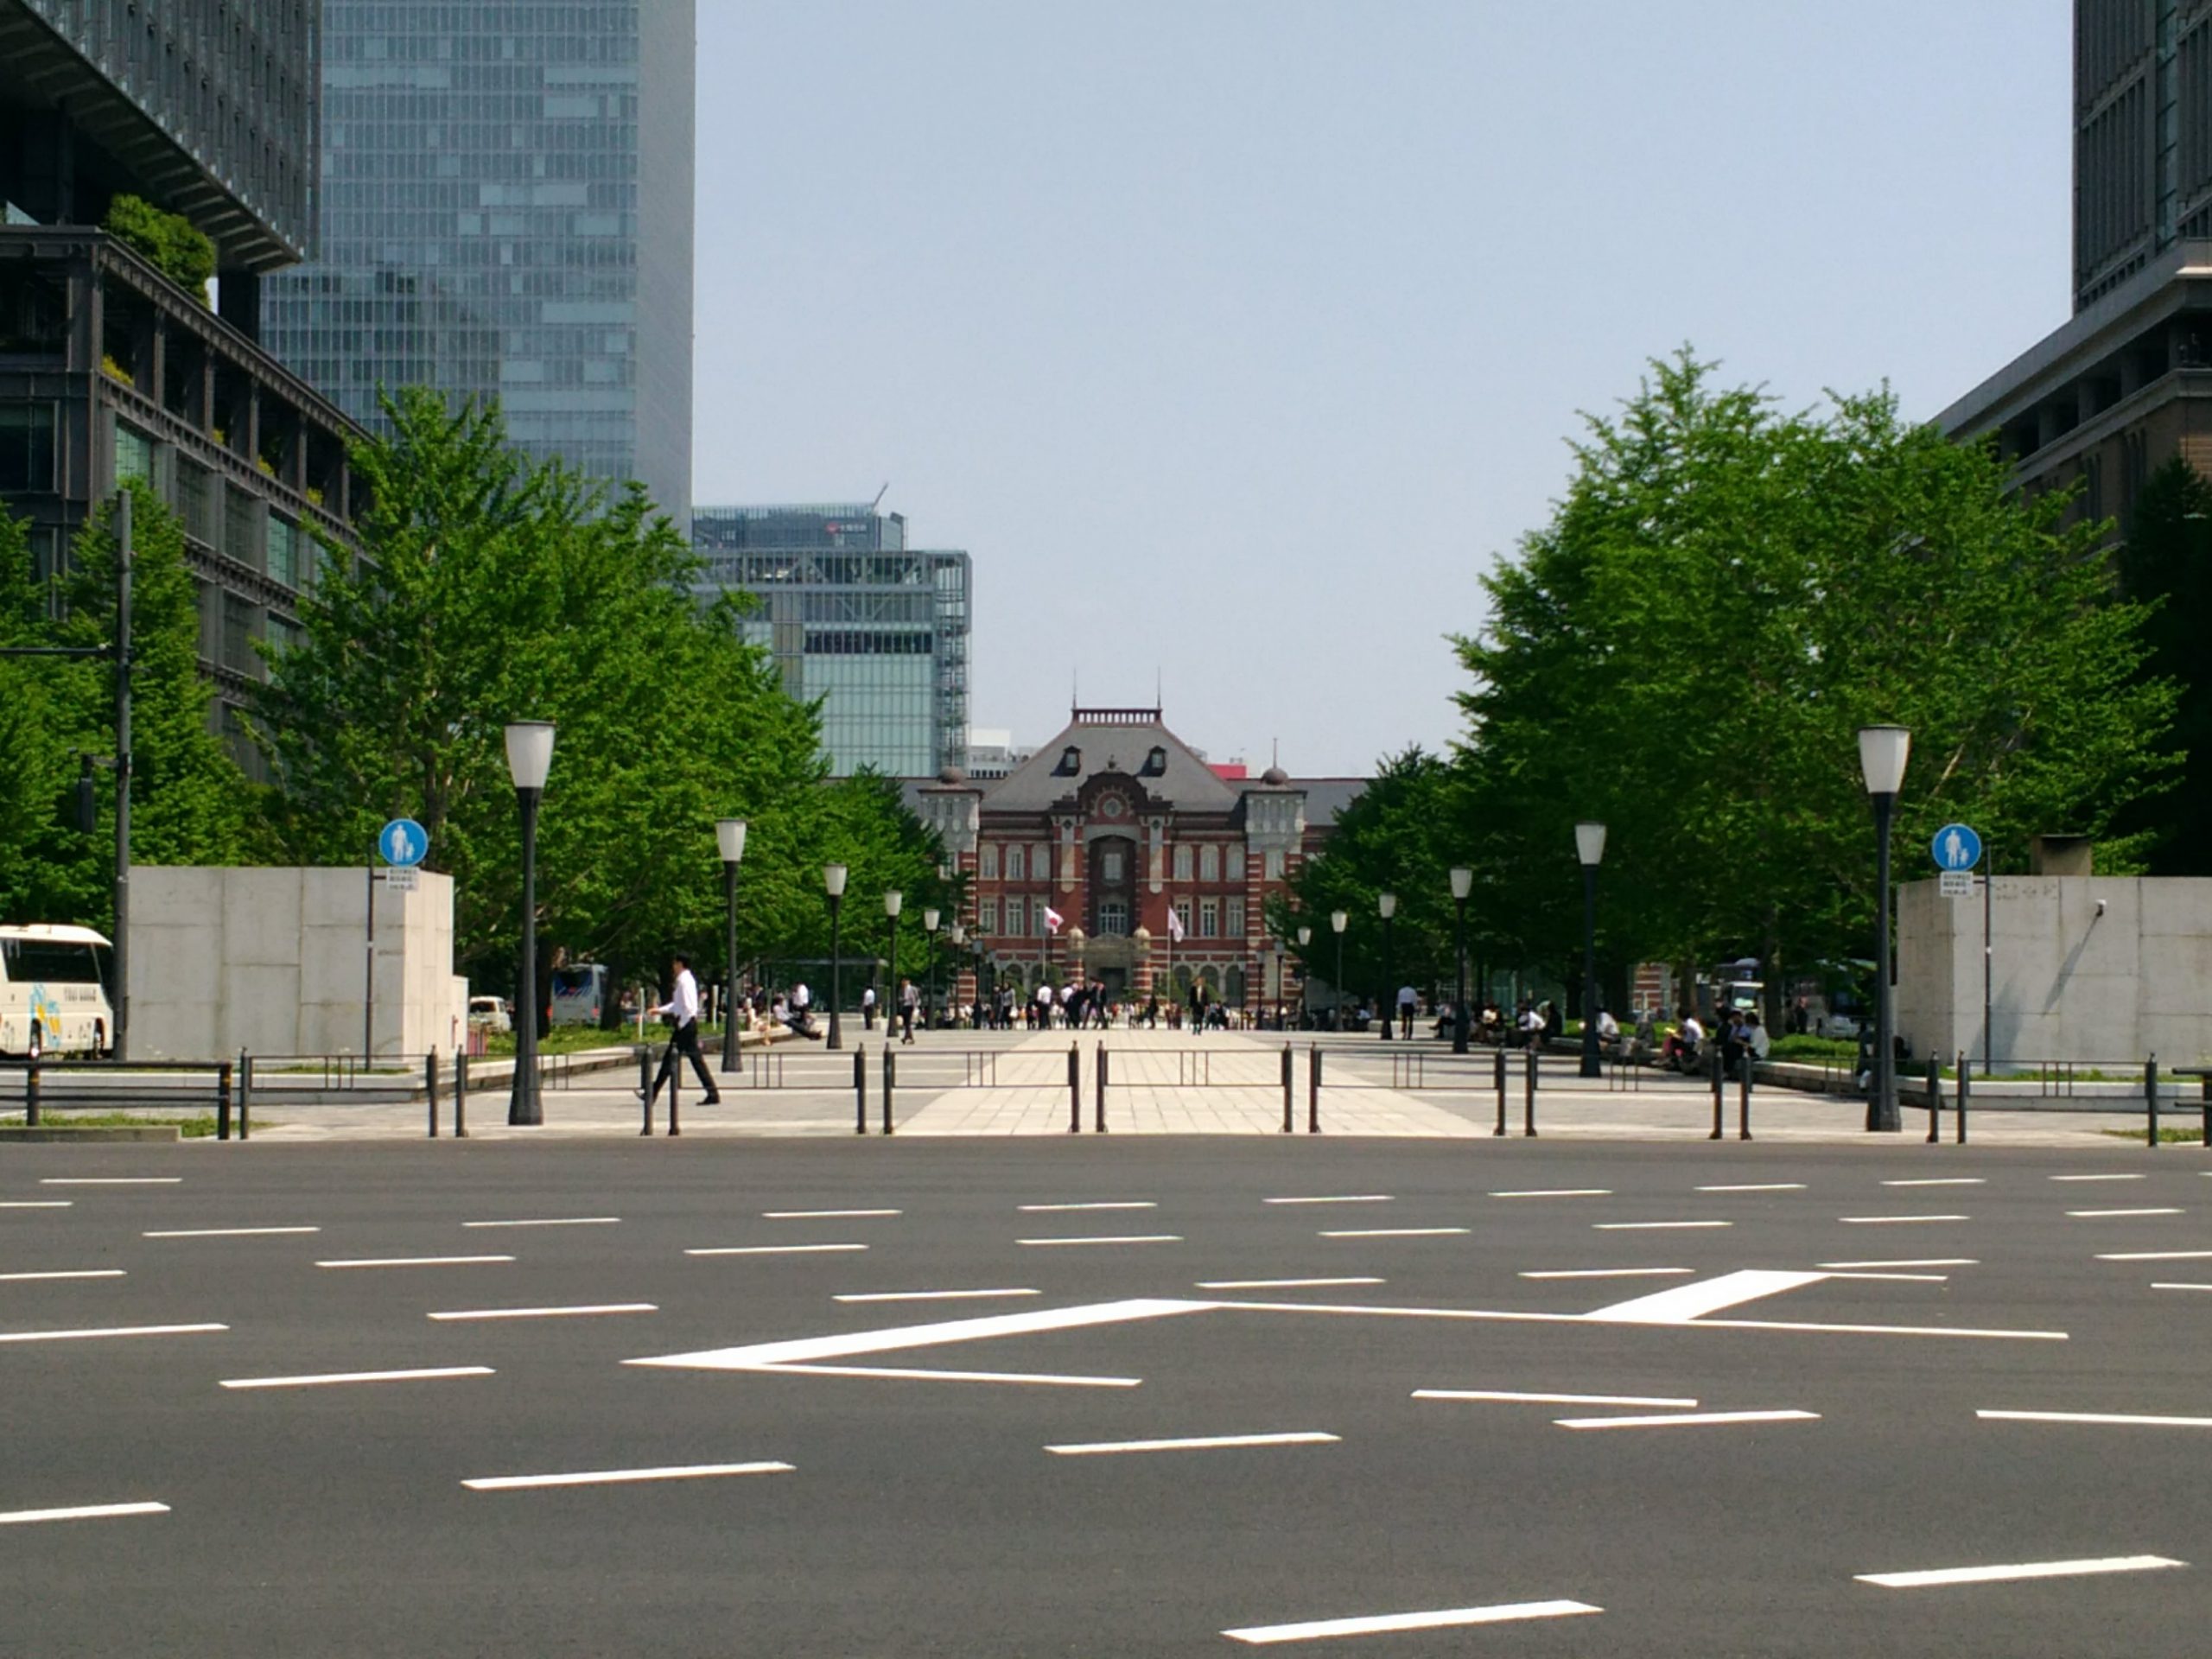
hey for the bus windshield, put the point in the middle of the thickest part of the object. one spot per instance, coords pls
(55, 961)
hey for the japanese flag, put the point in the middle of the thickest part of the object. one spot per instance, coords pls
(1174, 925)
(1053, 919)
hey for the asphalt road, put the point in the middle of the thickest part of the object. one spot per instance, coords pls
(926, 1515)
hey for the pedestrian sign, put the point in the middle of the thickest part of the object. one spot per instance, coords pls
(1955, 884)
(404, 842)
(1956, 848)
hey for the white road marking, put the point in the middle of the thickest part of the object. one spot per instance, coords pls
(1686, 1302)
(1033, 1379)
(825, 1215)
(1521, 1317)
(1693, 1419)
(775, 1249)
(111, 1180)
(2158, 1256)
(1280, 1284)
(72, 1272)
(1916, 1277)
(1895, 1221)
(930, 1295)
(112, 1330)
(2101, 1178)
(1608, 1273)
(80, 1512)
(1757, 1186)
(2020, 1570)
(1117, 1203)
(37, 1203)
(227, 1232)
(1441, 1618)
(1352, 1198)
(327, 1378)
(1654, 1226)
(580, 1310)
(1392, 1232)
(551, 1221)
(1911, 1261)
(411, 1260)
(1205, 1443)
(2122, 1418)
(1123, 1238)
(2092, 1215)
(2158, 1285)
(1559, 1192)
(1940, 1180)
(1552, 1399)
(618, 1477)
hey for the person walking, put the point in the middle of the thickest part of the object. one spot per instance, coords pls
(868, 1008)
(909, 1000)
(1409, 1000)
(682, 1012)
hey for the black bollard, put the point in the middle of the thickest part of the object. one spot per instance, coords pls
(1098, 1116)
(1529, 1093)
(1719, 1109)
(645, 1084)
(1966, 1088)
(2151, 1098)
(675, 1088)
(429, 1087)
(460, 1096)
(223, 1101)
(1075, 1089)
(1935, 1100)
(31, 1119)
(890, 1083)
(860, 1089)
(246, 1096)
(1743, 1098)
(1313, 1090)
(1497, 1057)
(1288, 1118)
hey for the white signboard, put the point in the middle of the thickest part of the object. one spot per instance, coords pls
(1955, 884)
(401, 879)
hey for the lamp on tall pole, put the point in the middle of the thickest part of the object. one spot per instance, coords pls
(1337, 919)
(1304, 939)
(729, 835)
(893, 902)
(1590, 847)
(930, 917)
(833, 884)
(1387, 903)
(958, 934)
(530, 756)
(1883, 751)
(1462, 883)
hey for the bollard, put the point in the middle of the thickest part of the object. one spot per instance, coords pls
(1313, 1088)
(1966, 1088)
(860, 1089)
(31, 1119)
(1743, 1082)
(246, 1096)
(675, 1088)
(242, 1075)
(1099, 1117)
(429, 1087)
(1287, 1109)
(1075, 1089)
(890, 1083)
(2151, 1098)
(1498, 1056)
(1712, 1064)
(460, 1096)
(2204, 1096)
(1529, 1093)
(645, 1084)
(223, 1101)
(1934, 1101)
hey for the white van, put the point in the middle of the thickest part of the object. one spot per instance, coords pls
(53, 990)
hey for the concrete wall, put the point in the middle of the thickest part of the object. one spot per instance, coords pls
(275, 961)
(2068, 982)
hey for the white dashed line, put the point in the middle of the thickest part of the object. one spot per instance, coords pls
(1917, 1278)
(551, 1221)
(1895, 1221)
(1441, 1618)
(228, 1233)
(2114, 1417)
(111, 1180)
(1654, 1226)
(2095, 1215)
(1757, 1186)
(1352, 1197)
(1123, 1238)
(1114, 1204)
(931, 1295)
(581, 1310)
(1559, 1192)
(1695, 1420)
(37, 1203)
(1393, 1232)
(826, 1215)
(1207, 1443)
(1552, 1399)
(2022, 1570)
(111, 1331)
(775, 1249)
(618, 1477)
(2158, 1285)
(1940, 1180)
(2158, 1256)
(80, 1512)
(412, 1260)
(1279, 1284)
(1910, 1261)
(1608, 1273)
(2099, 1177)
(72, 1272)
(330, 1378)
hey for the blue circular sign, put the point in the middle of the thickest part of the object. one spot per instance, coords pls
(404, 842)
(1956, 848)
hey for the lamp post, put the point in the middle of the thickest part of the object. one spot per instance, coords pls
(1883, 751)
(1338, 919)
(958, 934)
(530, 756)
(729, 834)
(833, 884)
(1387, 903)
(1590, 847)
(1462, 883)
(1304, 939)
(929, 925)
(893, 902)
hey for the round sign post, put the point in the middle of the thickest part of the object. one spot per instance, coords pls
(404, 845)
(1957, 850)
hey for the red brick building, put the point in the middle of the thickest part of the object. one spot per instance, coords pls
(1111, 826)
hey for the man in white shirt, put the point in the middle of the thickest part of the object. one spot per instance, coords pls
(1409, 1000)
(868, 1008)
(682, 1012)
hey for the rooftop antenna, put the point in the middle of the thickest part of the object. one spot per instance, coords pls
(1157, 704)
(1274, 753)
(1075, 691)
(879, 494)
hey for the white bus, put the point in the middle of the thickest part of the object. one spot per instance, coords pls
(53, 990)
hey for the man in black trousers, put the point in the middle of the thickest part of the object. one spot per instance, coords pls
(682, 1009)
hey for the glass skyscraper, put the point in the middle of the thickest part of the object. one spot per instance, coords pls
(852, 615)
(505, 210)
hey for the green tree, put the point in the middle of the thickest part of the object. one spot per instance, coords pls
(179, 249)
(2166, 564)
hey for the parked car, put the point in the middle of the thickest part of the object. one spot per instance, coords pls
(491, 1013)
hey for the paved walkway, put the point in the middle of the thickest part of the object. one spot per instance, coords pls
(1173, 1082)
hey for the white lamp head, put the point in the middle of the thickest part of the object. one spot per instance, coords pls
(833, 880)
(893, 902)
(1883, 751)
(730, 833)
(1463, 881)
(1304, 935)
(529, 752)
(959, 935)
(1590, 842)
(930, 918)
(1337, 919)
(1388, 903)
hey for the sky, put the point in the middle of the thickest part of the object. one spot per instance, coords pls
(1235, 339)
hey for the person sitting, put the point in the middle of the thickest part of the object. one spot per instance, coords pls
(1683, 1042)
(1609, 1031)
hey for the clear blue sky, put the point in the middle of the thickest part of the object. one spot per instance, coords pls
(1236, 338)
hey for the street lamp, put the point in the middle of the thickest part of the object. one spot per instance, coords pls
(729, 834)
(893, 902)
(1304, 939)
(530, 756)
(1388, 903)
(1590, 847)
(1462, 883)
(833, 883)
(958, 934)
(1883, 751)
(1336, 920)
(929, 927)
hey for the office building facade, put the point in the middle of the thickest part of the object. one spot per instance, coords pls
(852, 615)
(505, 210)
(2142, 136)
(109, 371)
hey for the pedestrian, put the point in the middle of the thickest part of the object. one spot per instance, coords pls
(868, 1008)
(682, 1012)
(908, 998)
(802, 1005)
(1043, 1007)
